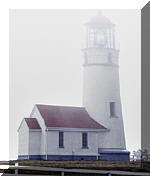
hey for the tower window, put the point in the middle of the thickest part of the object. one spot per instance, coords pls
(61, 139)
(112, 109)
(84, 140)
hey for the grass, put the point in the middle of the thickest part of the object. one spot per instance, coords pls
(96, 165)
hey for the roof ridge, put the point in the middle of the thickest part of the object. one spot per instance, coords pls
(29, 118)
(67, 106)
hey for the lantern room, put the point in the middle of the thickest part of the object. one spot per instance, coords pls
(100, 32)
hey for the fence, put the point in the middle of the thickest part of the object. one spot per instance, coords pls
(62, 171)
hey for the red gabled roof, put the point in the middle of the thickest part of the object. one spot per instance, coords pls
(32, 123)
(67, 117)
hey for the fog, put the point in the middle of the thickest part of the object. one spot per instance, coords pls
(46, 64)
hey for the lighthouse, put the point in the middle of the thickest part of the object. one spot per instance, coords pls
(101, 89)
(94, 131)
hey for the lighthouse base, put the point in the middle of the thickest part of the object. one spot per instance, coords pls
(113, 154)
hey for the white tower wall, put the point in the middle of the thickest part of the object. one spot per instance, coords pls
(101, 89)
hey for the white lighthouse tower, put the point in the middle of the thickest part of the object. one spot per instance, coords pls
(101, 89)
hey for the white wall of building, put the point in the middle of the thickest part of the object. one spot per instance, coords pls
(34, 142)
(36, 114)
(23, 134)
(72, 143)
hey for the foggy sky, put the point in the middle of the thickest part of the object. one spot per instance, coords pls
(46, 64)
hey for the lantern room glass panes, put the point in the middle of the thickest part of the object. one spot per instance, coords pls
(100, 37)
(92, 35)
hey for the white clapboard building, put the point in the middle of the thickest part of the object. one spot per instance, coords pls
(94, 131)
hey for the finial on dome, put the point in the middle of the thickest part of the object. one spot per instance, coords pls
(99, 12)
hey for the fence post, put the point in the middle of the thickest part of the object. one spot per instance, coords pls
(62, 173)
(16, 170)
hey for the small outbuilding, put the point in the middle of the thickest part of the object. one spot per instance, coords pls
(59, 133)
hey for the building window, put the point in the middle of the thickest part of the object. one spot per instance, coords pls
(84, 140)
(112, 109)
(61, 139)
